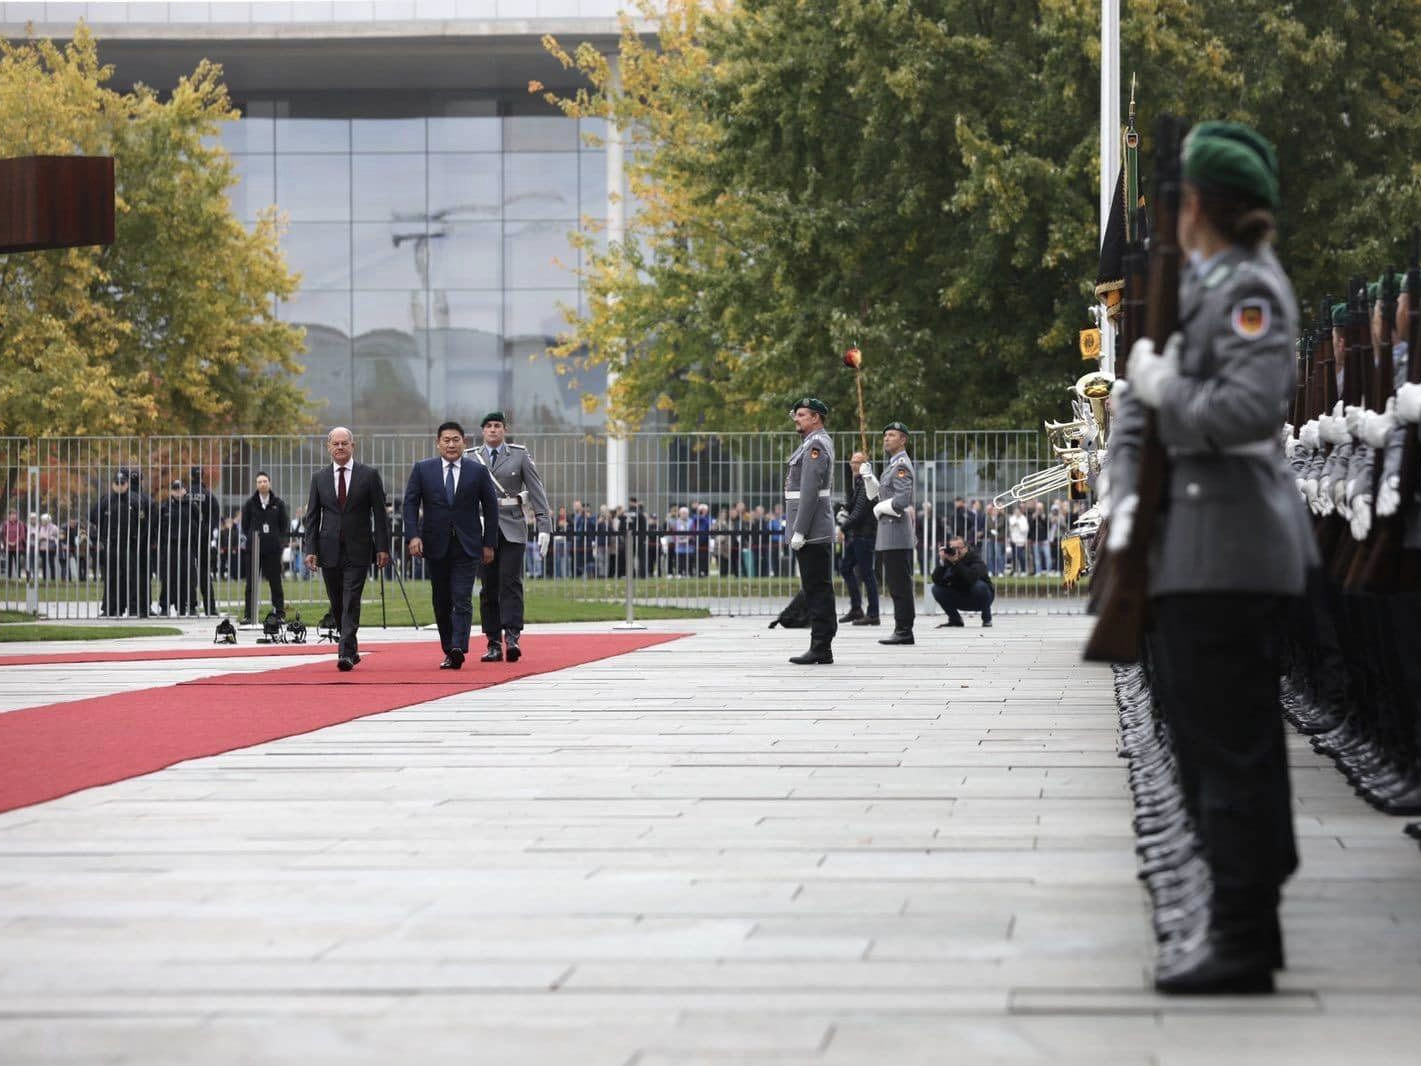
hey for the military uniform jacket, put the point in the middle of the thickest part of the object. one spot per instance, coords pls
(896, 484)
(513, 474)
(1233, 521)
(808, 485)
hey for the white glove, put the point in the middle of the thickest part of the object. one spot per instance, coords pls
(1333, 428)
(1150, 373)
(1291, 446)
(884, 507)
(1288, 428)
(1388, 495)
(1408, 403)
(870, 483)
(1122, 520)
(1309, 487)
(1361, 515)
(1376, 427)
(1353, 419)
(544, 539)
(796, 542)
(1308, 435)
(842, 517)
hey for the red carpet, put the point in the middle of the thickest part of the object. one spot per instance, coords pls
(50, 751)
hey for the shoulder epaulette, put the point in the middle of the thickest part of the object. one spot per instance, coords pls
(520, 447)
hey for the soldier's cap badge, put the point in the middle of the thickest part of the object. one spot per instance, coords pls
(1250, 319)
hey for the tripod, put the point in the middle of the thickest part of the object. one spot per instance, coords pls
(384, 622)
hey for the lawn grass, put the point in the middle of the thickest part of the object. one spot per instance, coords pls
(16, 616)
(14, 634)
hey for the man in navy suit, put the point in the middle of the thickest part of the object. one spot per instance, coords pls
(458, 502)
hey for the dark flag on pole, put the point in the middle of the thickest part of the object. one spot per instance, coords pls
(1125, 224)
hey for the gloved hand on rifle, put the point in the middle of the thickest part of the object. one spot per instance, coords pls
(884, 507)
(1122, 521)
(796, 542)
(544, 539)
(1408, 403)
(870, 483)
(1308, 437)
(1389, 484)
(1151, 371)
(1353, 420)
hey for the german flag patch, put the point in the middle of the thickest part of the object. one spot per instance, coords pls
(902, 472)
(1249, 319)
(814, 453)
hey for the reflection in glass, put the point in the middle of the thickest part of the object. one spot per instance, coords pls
(391, 365)
(248, 135)
(385, 187)
(390, 255)
(469, 255)
(320, 251)
(537, 255)
(592, 168)
(467, 370)
(387, 134)
(256, 185)
(327, 359)
(540, 185)
(540, 133)
(537, 314)
(466, 134)
(313, 135)
(313, 188)
(465, 185)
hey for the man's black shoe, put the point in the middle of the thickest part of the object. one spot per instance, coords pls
(452, 661)
(853, 615)
(1208, 971)
(899, 636)
(986, 622)
(951, 625)
(812, 657)
(344, 665)
(494, 653)
(514, 651)
(867, 620)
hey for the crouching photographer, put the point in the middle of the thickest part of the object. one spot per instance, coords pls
(960, 583)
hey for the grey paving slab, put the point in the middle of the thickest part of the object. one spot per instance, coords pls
(694, 854)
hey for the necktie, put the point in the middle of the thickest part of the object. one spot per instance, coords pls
(449, 483)
(340, 489)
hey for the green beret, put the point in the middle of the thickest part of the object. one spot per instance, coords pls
(1398, 283)
(898, 426)
(1374, 291)
(813, 403)
(1339, 314)
(1232, 155)
(493, 416)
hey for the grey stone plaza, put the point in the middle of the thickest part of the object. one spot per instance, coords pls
(689, 855)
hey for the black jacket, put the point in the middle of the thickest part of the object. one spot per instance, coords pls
(276, 518)
(962, 574)
(362, 528)
(861, 522)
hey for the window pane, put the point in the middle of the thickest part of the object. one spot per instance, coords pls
(536, 315)
(388, 187)
(387, 134)
(389, 255)
(540, 185)
(466, 255)
(540, 133)
(592, 169)
(327, 359)
(313, 188)
(320, 251)
(391, 367)
(312, 135)
(248, 135)
(256, 185)
(537, 255)
(466, 134)
(465, 185)
(466, 364)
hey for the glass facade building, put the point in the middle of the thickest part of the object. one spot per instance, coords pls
(433, 251)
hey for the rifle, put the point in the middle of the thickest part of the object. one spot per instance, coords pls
(1390, 567)
(1120, 622)
(1383, 388)
(1339, 547)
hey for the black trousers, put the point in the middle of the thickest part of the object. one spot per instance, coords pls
(898, 576)
(953, 601)
(175, 570)
(1217, 659)
(269, 565)
(451, 581)
(344, 584)
(816, 581)
(857, 567)
(501, 595)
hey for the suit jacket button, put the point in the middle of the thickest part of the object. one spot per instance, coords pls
(1192, 489)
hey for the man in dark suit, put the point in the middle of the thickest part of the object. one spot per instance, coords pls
(449, 502)
(346, 529)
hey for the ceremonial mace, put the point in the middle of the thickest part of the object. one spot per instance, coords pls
(854, 358)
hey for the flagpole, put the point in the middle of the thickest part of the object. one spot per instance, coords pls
(1109, 146)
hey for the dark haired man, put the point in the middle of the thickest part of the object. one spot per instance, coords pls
(265, 522)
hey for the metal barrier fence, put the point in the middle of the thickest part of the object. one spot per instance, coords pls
(96, 528)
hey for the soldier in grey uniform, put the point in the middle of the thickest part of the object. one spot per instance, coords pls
(896, 540)
(1232, 550)
(515, 479)
(809, 521)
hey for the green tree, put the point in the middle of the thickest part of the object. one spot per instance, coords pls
(171, 329)
(919, 177)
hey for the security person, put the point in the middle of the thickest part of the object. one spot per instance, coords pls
(860, 529)
(205, 516)
(1232, 549)
(266, 521)
(115, 517)
(515, 479)
(895, 541)
(810, 523)
(175, 560)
